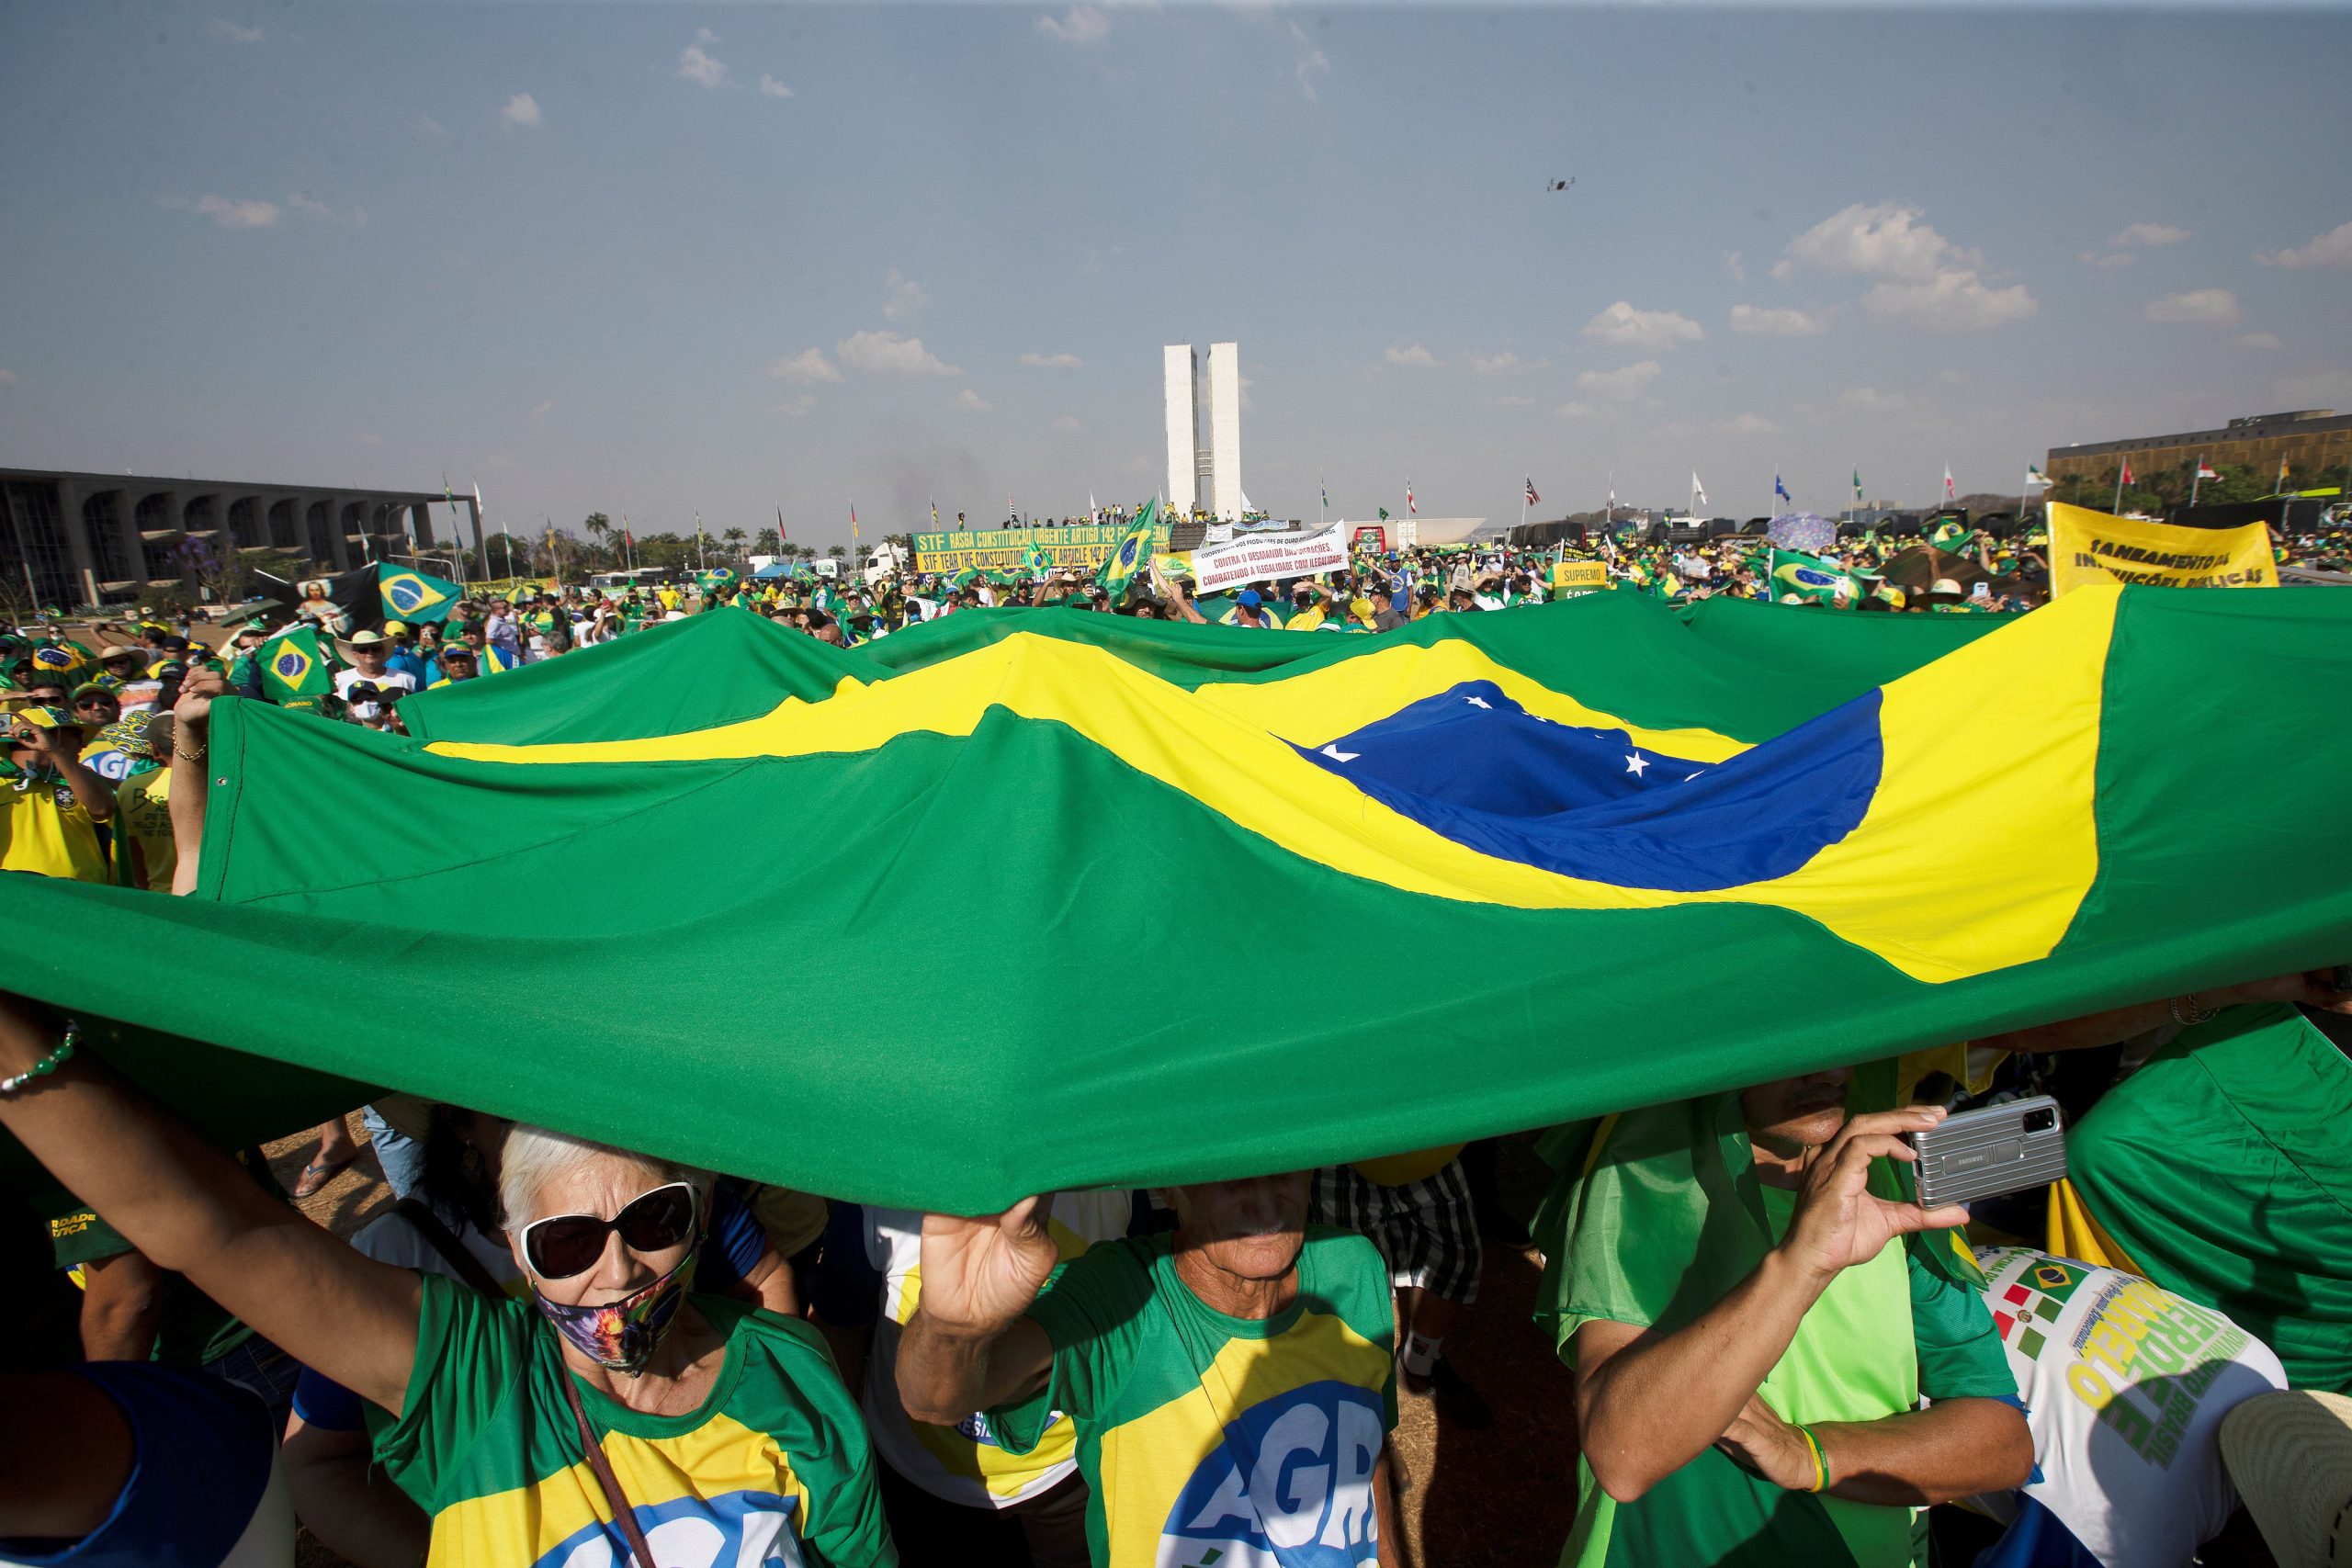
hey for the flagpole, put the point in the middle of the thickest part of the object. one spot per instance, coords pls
(2118, 508)
(2195, 478)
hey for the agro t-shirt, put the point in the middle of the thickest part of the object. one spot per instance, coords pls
(964, 1463)
(2125, 1386)
(142, 819)
(44, 828)
(1883, 1333)
(1208, 1439)
(773, 1469)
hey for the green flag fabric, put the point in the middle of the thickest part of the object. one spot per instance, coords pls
(293, 665)
(1596, 800)
(1817, 581)
(2223, 1171)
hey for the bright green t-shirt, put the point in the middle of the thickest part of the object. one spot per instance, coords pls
(1883, 1333)
(774, 1468)
(1205, 1438)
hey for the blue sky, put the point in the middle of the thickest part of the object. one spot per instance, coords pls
(649, 259)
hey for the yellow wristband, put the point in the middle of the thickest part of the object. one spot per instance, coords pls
(1820, 1459)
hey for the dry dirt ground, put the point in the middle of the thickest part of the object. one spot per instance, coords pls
(1482, 1498)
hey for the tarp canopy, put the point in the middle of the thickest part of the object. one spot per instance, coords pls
(1049, 916)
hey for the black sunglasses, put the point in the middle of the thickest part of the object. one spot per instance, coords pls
(563, 1245)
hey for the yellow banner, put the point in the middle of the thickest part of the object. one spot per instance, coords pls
(2089, 547)
(1579, 576)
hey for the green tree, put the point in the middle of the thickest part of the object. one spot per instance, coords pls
(837, 551)
(735, 538)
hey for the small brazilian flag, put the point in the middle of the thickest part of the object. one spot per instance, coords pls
(415, 596)
(1035, 561)
(293, 666)
(1951, 535)
(1132, 553)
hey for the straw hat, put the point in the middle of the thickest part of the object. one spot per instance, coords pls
(2291, 1455)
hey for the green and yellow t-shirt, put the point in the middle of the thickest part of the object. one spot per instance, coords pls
(774, 1469)
(1209, 1438)
(45, 830)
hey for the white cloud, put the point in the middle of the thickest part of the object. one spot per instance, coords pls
(808, 365)
(971, 402)
(772, 88)
(1770, 322)
(1412, 356)
(221, 27)
(1870, 400)
(905, 298)
(538, 418)
(2111, 261)
(2258, 340)
(1879, 239)
(1577, 410)
(704, 35)
(1952, 301)
(1513, 401)
(356, 217)
(1071, 425)
(1310, 62)
(1929, 282)
(1751, 425)
(521, 109)
(1079, 25)
(429, 125)
(1735, 267)
(1622, 385)
(887, 354)
(798, 406)
(1629, 328)
(227, 214)
(2331, 249)
(1052, 361)
(2208, 307)
(700, 67)
(1504, 363)
(2148, 234)
(2329, 389)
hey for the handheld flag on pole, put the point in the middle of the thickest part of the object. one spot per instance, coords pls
(1131, 555)
(293, 665)
(415, 596)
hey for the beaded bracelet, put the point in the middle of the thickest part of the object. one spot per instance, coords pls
(45, 1065)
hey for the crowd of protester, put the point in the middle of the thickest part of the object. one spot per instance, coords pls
(545, 1350)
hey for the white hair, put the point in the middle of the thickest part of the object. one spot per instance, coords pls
(534, 1157)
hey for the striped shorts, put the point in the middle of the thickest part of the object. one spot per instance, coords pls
(1425, 1229)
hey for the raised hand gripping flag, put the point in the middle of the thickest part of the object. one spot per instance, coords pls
(415, 596)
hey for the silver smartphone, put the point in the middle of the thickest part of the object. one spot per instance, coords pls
(1983, 1154)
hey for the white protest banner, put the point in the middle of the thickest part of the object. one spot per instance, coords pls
(1266, 557)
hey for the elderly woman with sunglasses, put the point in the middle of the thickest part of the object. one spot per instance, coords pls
(613, 1416)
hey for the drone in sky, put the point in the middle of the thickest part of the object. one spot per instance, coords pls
(1562, 185)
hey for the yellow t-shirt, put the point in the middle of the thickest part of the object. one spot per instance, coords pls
(45, 831)
(143, 832)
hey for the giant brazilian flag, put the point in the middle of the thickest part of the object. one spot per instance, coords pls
(1027, 900)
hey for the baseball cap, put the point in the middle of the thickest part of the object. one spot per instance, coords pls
(396, 628)
(91, 686)
(1249, 596)
(46, 715)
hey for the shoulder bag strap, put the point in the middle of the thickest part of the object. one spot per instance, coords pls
(453, 1251)
(623, 1517)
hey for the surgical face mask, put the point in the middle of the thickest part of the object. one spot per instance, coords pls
(623, 1335)
(364, 712)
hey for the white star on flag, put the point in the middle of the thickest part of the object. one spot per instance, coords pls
(1636, 764)
(1478, 703)
(1333, 750)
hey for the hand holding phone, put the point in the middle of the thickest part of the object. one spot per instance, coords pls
(1984, 1154)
